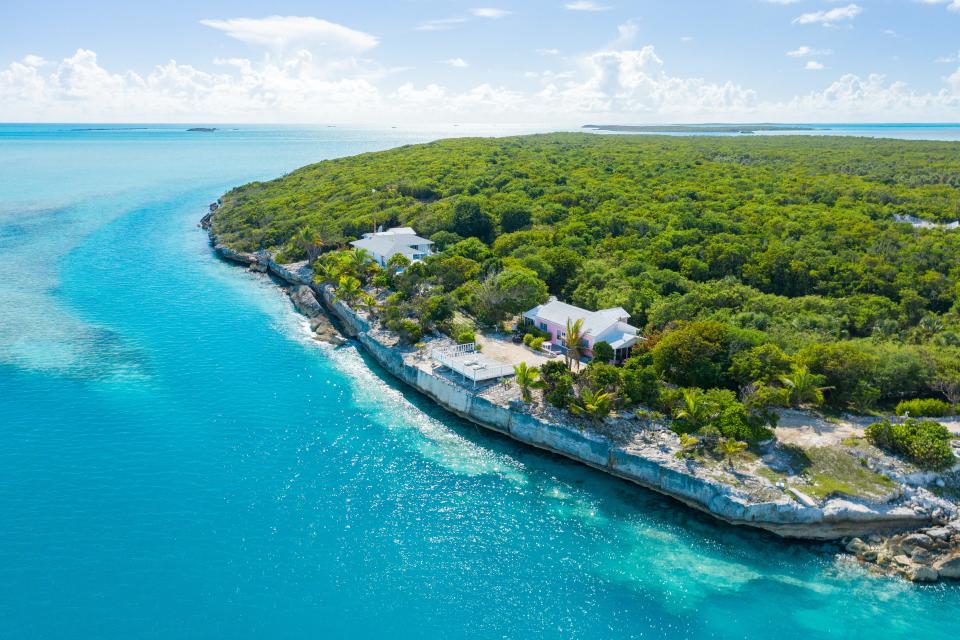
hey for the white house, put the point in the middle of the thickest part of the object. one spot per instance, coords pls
(606, 325)
(383, 245)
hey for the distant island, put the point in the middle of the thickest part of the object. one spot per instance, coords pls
(204, 129)
(695, 128)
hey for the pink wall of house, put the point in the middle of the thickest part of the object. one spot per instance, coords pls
(555, 331)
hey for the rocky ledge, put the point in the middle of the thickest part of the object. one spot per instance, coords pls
(926, 555)
(931, 551)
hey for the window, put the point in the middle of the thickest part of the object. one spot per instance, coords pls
(543, 326)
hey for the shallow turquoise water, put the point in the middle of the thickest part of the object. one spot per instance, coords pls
(178, 460)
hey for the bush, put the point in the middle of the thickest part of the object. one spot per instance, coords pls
(527, 339)
(466, 337)
(561, 391)
(536, 343)
(641, 385)
(925, 407)
(602, 352)
(924, 442)
(552, 371)
(408, 330)
(602, 376)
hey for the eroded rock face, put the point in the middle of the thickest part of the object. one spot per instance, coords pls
(305, 302)
(949, 567)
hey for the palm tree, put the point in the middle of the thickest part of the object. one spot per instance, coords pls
(592, 404)
(360, 260)
(695, 410)
(732, 449)
(688, 444)
(527, 378)
(573, 341)
(309, 241)
(803, 388)
(348, 289)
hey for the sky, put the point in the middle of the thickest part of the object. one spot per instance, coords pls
(543, 62)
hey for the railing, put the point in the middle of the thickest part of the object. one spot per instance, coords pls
(477, 369)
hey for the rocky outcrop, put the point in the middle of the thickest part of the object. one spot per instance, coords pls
(926, 555)
(305, 301)
(233, 255)
(650, 466)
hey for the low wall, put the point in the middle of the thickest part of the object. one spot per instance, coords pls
(658, 471)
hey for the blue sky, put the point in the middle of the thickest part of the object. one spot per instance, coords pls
(531, 61)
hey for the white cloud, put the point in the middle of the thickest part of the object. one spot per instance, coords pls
(490, 12)
(548, 52)
(586, 5)
(782, 1)
(948, 59)
(804, 51)
(621, 82)
(686, 39)
(813, 65)
(830, 16)
(441, 24)
(281, 32)
(952, 5)
(32, 60)
(459, 63)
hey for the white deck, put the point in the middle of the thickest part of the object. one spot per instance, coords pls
(471, 364)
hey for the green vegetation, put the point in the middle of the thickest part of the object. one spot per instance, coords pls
(925, 407)
(763, 271)
(834, 471)
(527, 378)
(924, 442)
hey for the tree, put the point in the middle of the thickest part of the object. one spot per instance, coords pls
(731, 450)
(527, 378)
(695, 410)
(348, 288)
(804, 387)
(308, 241)
(574, 342)
(641, 384)
(559, 390)
(696, 354)
(592, 404)
(469, 220)
(514, 217)
(766, 364)
(602, 351)
(360, 262)
(508, 292)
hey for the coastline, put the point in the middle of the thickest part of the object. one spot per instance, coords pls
(653, 469)
(881, 535)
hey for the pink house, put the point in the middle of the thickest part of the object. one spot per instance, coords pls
(606, 325)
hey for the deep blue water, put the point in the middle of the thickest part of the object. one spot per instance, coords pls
(177, 459)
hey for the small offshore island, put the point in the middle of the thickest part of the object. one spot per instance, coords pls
(785, 352)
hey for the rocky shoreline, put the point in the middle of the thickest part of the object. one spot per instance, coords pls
(650, 461)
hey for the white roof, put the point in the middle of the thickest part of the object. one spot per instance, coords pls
(406, 233)
(390, 242)
(595, 323)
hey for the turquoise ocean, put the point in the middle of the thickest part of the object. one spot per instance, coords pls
(179, 460)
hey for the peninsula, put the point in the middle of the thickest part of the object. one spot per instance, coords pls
(758, 293)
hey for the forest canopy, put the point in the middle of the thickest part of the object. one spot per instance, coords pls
(722, 248)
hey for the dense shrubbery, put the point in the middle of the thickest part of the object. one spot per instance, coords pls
(747, 262)
(924, 442)
(925, 407)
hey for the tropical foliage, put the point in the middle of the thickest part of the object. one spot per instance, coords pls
(924, 442)
(772, 268)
